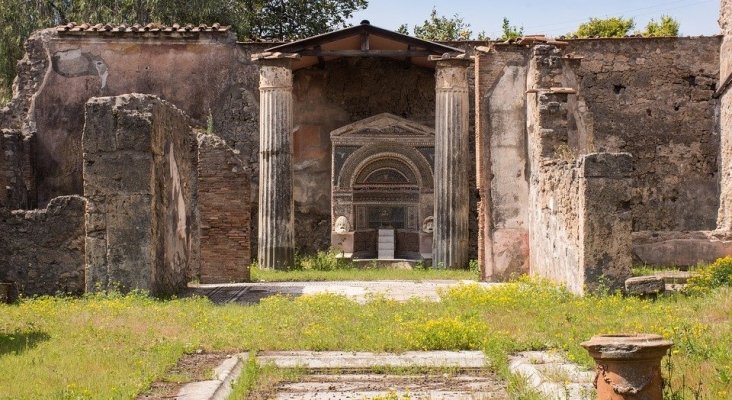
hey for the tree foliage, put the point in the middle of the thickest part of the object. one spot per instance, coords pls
(510, 32)
(441, 28)
(294, 19)
(667, 26)
(269, 19)
(605, 27)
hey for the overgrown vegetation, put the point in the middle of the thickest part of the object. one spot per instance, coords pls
(112, 346)
(442, 28)
(714, 275)
(620, 27)
(605, 27)
(510, 31)
(666, 26)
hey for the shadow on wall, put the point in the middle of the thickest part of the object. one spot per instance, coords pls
(16, 343)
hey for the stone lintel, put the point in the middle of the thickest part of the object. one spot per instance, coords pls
(274, 57)
(451, 59)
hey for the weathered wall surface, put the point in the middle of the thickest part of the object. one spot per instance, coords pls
(653, 98)
(223, 205)
(139, 177)
(501, 161)
(211, 78)
(680, 248)
(579, 208)
(31, 71)
(16, 174)
(342, 92)
(42, 251)
(580, 221)
(724, 219)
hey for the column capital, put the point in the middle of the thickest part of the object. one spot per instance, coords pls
(451, 72)
(275, 70)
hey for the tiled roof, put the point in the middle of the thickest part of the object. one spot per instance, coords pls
(74, 28)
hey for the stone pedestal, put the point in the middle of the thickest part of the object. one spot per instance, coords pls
(450, 246)
(276, 205)
(628, 366)
(343, 243)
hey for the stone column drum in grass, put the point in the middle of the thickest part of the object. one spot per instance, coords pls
(276, 243)
(450, 240)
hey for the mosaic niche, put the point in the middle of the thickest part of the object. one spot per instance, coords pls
(382, 177)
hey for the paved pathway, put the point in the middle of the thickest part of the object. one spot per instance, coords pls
(248, 293)
(354, 379)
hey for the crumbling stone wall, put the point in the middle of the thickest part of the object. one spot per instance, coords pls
(579, 209)
(16, 174)
(139, 177)
(653, 98)
(31, 71)
(223, 204)
(42, 251)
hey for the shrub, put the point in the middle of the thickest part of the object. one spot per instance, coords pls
(714, 275)
(450, 333)
(321, 261)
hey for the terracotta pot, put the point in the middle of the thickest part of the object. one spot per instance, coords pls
(628, 365)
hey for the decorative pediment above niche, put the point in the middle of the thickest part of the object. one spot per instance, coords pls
(384, 128)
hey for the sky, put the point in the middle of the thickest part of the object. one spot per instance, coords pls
(553, 18)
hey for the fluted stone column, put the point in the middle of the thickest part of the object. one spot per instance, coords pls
(276, 242)
(450, 240)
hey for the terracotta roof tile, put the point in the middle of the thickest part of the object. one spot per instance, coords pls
(74, 28)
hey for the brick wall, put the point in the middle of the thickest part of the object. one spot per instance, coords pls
(224, 209)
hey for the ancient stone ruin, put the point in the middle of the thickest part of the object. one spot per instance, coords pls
(149, 156)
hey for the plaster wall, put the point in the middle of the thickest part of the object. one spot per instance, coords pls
(205, 77)
(501, 161)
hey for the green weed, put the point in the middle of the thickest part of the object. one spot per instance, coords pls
(714, 275)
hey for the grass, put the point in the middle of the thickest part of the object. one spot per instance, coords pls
(113, 346)
(358, 274)
(326, 266)
(643, 270)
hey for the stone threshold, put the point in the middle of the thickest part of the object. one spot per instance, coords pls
(549, 374)
(338, 360)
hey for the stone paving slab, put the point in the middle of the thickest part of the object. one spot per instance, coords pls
(361, 291)
(466, 376)
(218, 388)
(365, 360)
(368, 386)
(553, 376)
